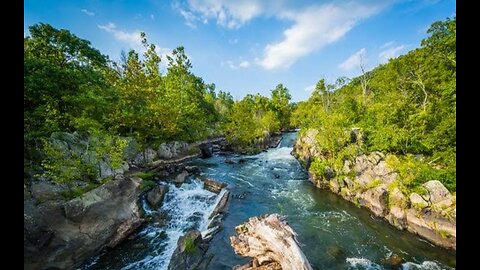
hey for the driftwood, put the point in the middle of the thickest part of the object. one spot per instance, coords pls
(270, 242)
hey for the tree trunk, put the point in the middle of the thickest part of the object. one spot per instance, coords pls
(270, 241)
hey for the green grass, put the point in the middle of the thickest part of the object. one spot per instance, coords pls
(189, 245)
(147, 184)
(145, 175)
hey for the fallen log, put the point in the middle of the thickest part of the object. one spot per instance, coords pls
(270, 242)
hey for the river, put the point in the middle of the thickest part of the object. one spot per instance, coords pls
(333, 233)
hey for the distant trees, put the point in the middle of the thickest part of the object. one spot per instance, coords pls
(69, 86)
(412, 113)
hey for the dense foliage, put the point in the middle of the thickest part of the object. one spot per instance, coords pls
(71, 88)
(406, 107)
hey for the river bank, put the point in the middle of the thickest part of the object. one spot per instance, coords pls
(333, 233)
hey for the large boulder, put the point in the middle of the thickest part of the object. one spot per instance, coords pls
(181, 178)
(438, 194)
(44, 191)
(398, 204)
(189, 253)
(156, 195)
(376, 199)
(172, 150)
(206, 150)
(64, 234)
(143, 158)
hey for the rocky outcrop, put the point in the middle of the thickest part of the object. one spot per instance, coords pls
(156, 195)
(206, 150)
(213, 185)
(180, 178)
(369, 182)
(61, 235)
(190, 252)
(270, 242)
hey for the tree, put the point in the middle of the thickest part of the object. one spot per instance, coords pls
(281, 105)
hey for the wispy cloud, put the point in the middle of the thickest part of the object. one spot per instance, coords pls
(152, 16)
(131, 38)
(230, 14)
(354, 60)
(390, 52)
(232, 65)
(387, 44)
(244, 64)
(314, 28)
(233, 41)
(88, 12)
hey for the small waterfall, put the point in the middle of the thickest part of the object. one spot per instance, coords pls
(189, 207)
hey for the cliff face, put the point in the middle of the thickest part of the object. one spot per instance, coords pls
(369, 182)
(62, 235)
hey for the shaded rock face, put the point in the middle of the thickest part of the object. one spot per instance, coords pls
(190, 252)
(156, 195)
(431, 215)
(64, 234)
(375, 199)
(45, 191)
(142, 159)
(206, 150)
(268, 239)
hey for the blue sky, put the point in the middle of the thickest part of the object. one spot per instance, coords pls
(249, 46)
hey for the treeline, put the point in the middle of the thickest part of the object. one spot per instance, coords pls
(406, 107)
(71, 87)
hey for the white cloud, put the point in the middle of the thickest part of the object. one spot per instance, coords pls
(131, 38)
(244, 64)
(88, 12)
(232, 65)
(391, 52)
(314, 28)
(354, 60)
(387, 44)
(189, 17)
(230, 14)
(309, 88)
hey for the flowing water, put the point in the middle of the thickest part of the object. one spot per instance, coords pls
(333, 233)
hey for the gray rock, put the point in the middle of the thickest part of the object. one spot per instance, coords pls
(156, 195)
(64, 234)
(417, 201)
(376, 199)
(180, 178)
(142, 159)
(45, 191)
(189, 253)
(437, 193)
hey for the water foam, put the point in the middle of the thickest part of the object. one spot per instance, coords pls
(189, 206)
